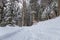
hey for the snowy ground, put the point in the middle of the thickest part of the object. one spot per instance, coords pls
(46, 30)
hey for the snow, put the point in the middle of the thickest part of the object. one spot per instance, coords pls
(45, 30)
(49, 8)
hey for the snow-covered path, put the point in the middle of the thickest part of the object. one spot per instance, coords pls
(46, 30)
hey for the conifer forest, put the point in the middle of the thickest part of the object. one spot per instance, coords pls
(27, 12)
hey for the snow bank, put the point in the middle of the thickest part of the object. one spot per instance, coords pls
(46, 30)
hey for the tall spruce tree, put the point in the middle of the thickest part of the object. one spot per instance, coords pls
(24, 19)
(34, 9)
(1, 14)
(17, 12)
(7, 13)
(58, 7)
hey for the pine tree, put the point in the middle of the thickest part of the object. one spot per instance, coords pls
(7, 13)
(58, 7)
(1, 14)
(24, 19)
(34, 9)
(11, 13)
(17, 12)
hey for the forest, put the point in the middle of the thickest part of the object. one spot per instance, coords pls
(27, 12)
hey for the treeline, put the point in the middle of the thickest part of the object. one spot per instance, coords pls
(26, 13)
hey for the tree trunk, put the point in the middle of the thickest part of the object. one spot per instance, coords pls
(58, 7)
(24, 22)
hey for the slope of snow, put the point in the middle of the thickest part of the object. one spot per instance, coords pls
(45, 30)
